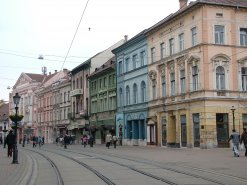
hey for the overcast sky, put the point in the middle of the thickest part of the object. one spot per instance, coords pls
(29, 28)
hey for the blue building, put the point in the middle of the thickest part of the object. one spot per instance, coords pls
(132, 90)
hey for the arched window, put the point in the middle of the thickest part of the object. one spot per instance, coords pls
(154, 89)
(143, 91)
(135, 93)
(127, 95)
(121, 97)
(220, 78)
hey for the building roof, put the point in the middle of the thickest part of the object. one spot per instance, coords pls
(229, 3)
(36, 77)
(107, 65)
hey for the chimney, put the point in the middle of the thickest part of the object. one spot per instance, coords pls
(65, 70)
(125, 38)
(182, 3)
(49, 73)
(55, 71)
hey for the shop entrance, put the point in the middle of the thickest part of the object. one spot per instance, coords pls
(222, 126)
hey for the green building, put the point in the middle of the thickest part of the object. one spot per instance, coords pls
(103, 100)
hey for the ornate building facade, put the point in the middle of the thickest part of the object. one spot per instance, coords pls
(197, 74)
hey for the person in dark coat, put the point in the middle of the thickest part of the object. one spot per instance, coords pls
(66, 140)
(10, 141)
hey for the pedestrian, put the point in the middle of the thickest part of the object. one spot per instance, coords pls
(66, 140)
(108, 140)
(43, 140)
(56, 140)
(243, 140)
(40, 141)
(10, 141)
(23, 141)
(85, 140)
(34, 141)
(235, 137)
(91, 140)
(114, 138)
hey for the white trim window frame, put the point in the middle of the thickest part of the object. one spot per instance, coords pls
(181, 41)
(219, 34)
(243, 37)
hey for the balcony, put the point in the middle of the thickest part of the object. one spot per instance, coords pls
(76, 92)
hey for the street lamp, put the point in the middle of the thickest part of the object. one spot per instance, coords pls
(16, 99)
(233, 117)
(4, 130)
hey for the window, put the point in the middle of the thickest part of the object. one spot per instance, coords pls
(220, 78)
(243, 36)
(182, 81)
(143, 92)
(181, 42)
(120, 68)
(134, 60)
(126, 64)
(127, 95)
(100, 83)
(77, 83)
(154, 89)
(171, 46)
(105, 82)
(172, 76)
(244, 78)
(194, 36)
(110, 79)
(194, 78)
(142, 55)
(68, 95)
(162, 50)
(219, 34)
(135, 93)
(121, 97)
(152, 55)
(64, 97)
(163, 84)
(81, 83)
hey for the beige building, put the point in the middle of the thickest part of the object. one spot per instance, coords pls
(198, 74)
(53, 105)
(26, 86)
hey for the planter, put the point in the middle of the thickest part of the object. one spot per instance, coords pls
(16, 118)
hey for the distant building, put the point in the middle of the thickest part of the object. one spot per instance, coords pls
(80, 103)
(132, 92)
(53, 105)
(25, 86)
(103, 97)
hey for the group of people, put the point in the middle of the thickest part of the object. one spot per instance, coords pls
(237, 139)
(87, 139)
(111, 140)
(64, 140)
(38, 141)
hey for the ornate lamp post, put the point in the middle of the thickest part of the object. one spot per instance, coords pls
(4, 130)
(233, 116)
(15, 119)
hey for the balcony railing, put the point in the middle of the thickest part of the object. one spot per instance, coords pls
(76, 92)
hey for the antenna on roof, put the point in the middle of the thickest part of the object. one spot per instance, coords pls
(44, 70)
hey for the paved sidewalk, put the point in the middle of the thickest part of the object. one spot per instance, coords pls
(217, 160)
(11, 173)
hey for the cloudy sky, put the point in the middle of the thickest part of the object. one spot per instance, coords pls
(29, 28)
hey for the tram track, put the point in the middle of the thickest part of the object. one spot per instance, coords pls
(144, 172)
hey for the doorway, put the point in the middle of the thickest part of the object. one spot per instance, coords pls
(222, 127)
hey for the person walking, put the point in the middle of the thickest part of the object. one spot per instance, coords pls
(34, 141)
(85, 140)
(40, 141)
(114, 139)
(243, 140)
(10, 141)
(108, 140)
(66, 140)
(235, 137)
(23, 141)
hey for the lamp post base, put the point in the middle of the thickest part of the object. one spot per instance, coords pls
(15, 155)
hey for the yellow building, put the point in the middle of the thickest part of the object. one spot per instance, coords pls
(198, 74)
